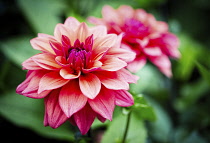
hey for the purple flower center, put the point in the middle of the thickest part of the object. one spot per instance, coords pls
(134, 28)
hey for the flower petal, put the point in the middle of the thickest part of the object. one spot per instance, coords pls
(51, 81)
(60, 30)
(29, 64)
(112, 63)
(84, 118)
(54, 116)
(105, 41)
(163, 63)
(42, 44)
(123, 98)
(71, 23)
(46, 61)
(98, 31)
(103, 104)
(71, 98)
(137, 64)
(111, 80)
(82, 32)
(90, 85)
(68, 73)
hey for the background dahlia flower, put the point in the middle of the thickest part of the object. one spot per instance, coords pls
(80, 74)
(143, 34)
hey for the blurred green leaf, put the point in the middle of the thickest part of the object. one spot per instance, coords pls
(190, 93)
(18, 49)
(43, 15)
(190, 52)
(204, 72)
(136, 131)
(27, 112)
(142, 110)
(161, 128)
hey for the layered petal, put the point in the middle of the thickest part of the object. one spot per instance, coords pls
(51, 80)
(103, 104)
(123, 98)
(90, 85)
(84, 118)
(54, 116)
(71, 98)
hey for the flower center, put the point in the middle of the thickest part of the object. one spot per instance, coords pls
(136, 29)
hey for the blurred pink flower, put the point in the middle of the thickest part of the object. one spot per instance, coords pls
(80, 73)
(143, 34)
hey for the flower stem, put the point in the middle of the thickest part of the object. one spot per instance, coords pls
(126, 128)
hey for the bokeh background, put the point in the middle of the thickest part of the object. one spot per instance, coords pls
(178, 109)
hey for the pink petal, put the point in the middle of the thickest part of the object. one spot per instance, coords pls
(51, 81)
(82, 32)
(60, 30)
(112, 64)
(84, 119)
(46, 61)
(68, 73)
(126, 11)
(90, 85)
(137, 64)
(110, 14)
(71, 98)
(163, 63)
(29, 64)
(123, 98)
(54, 116)
(125, 75)
(111, 80)
(30, 85)
(42, 44)
(98, 31)
(152, 51)
(102, 119)
(103, 104)
(105, 41)
(71, 23)
(96, 21)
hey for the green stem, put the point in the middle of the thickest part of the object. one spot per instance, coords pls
(126, 128)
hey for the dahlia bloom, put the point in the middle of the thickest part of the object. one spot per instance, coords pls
(80, 74)
(143, 34)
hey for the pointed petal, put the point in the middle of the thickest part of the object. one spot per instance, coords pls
(123, 98)
(42, 44)
(111, 80)
(152, 51)
(82, 32)
(84, 119)
(29, 64)
(68, 73)
(137, 64)
(102, 119)
(46, 61)
(90, 85)
(60, 30)
(163, 63)
(103, 104)
(105, 41)
(51, 81)
(110, 14)
(71, 98)
(98, 31)
(112, 64)
(125, 75)
(72, 23)
(54, 116)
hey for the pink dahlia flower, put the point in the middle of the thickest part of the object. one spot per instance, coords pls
(80, 74)
(143, 34)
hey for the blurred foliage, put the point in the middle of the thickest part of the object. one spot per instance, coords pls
(166, 110)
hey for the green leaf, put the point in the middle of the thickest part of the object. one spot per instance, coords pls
(190, 52)
(136, 131)
(161, 128)
(18, 49)
(204, 72)
(43, 15)
(29, 113)
(142, 109)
